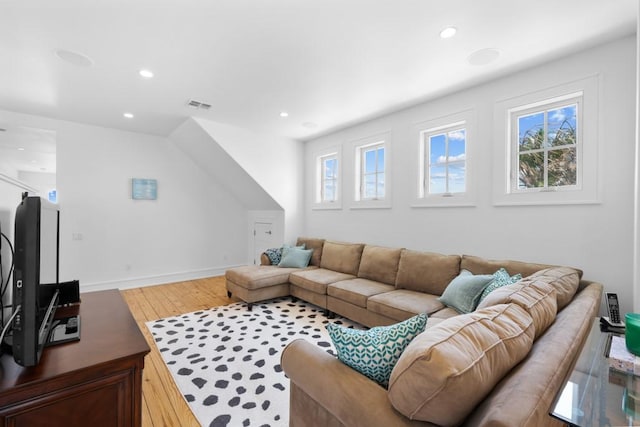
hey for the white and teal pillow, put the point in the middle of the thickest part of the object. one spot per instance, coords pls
(374, 352)
(464, 291)
(274, 255)
(500, 278)
(295, 257)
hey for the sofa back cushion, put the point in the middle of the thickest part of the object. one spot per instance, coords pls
(478, 265)
(316, 245)
(379, 264)
(426, 271)
(341, 257)
(564, 280)
(537, 298)
(448, 369)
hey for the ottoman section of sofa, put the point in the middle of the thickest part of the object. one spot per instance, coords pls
(252, 283)
(311, 285)
(402, 304)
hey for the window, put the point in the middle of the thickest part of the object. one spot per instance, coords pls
(545, 141)
(444, 164)
(546, 146)
(444, 152)
(372, 171)
(328, 178)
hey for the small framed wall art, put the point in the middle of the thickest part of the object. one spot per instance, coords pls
(144, 189)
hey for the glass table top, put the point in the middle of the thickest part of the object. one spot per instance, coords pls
(594, 394)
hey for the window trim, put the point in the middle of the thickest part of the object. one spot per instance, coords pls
(589, 167)
(467, 119)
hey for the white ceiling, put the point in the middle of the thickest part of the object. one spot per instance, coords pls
(328, 63)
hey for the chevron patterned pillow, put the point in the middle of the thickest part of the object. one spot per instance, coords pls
(374, 352)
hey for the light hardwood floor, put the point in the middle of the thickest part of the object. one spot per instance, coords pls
(162, 404)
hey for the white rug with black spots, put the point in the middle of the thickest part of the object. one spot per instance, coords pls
(226, 360)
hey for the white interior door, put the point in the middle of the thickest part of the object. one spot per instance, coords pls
(263, 238)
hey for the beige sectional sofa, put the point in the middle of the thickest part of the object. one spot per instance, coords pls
(551, 310)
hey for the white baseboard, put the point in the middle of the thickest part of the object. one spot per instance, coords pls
(139, 282)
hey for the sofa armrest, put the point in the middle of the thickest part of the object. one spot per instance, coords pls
(349, 396)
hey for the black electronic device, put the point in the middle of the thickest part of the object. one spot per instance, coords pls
(65, 330)
(37, 226)
(613, 310)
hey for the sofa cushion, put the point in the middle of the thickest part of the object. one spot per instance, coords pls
(357, 291)
(316, 245)
(565, 280)
(295, 257)
(426, 271)
(536, 298)
(341, 257)
(445, 313)
(447, 370)
(379, 264)
(374, 352)
(478, 265)
(400, 304)
(317, 279)
(464, 291)
(259, 276)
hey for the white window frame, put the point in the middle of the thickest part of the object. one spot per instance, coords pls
(463, 119)
(426, 164)
(587, 190)
(543, 107)
(320, 157)
(359, 148)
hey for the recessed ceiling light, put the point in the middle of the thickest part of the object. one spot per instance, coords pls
(20, 149)
(483, 56)
(128, 115)
(74, 58)
(284, 114)
(146, 73)
(448, 32)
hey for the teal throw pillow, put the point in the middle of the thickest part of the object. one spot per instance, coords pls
(376, 351)
(500, 278)
(464, 291)
(295, 257)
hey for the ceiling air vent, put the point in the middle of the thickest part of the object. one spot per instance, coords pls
(198, 104)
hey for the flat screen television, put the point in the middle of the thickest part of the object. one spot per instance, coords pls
(37, 243)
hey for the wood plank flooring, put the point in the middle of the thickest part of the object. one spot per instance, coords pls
(162, 404)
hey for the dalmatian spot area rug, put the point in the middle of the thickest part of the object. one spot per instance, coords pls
(226, 360)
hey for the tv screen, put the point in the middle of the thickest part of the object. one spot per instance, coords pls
(36, 262)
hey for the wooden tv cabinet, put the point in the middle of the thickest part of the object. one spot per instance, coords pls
(94, 382)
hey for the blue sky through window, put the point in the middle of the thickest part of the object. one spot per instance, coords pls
(447, 162)
(373, 177)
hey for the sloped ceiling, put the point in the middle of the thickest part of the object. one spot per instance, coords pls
(207, 153)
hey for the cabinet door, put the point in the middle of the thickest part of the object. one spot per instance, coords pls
(106, 402)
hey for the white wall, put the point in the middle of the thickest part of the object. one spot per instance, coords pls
(596, 238)
(273, 162)
(190, 231)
